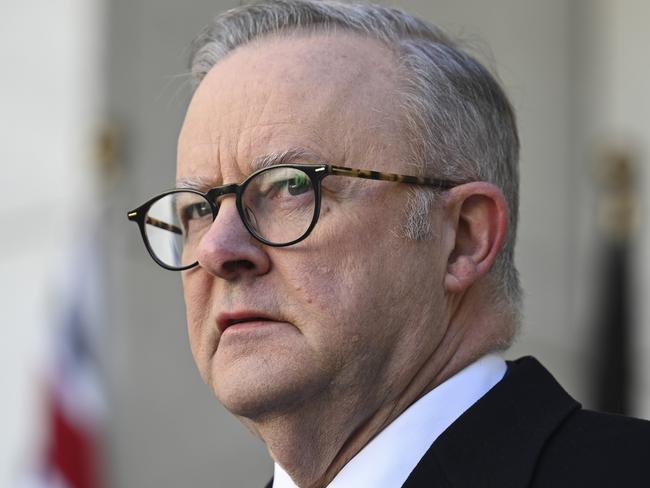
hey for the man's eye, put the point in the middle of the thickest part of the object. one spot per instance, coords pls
(281, 184)
(298, 185)
(195, 211)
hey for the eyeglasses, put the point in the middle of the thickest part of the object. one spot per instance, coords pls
(279, 206)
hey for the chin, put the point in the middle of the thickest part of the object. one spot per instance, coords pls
(255, 402)
(257, 391)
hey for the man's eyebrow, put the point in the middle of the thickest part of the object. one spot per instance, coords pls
(194, 183)
(291, 155)
(286, 156)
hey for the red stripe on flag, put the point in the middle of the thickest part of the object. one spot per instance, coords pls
(73, 452)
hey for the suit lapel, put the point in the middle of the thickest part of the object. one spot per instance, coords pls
(496, 443)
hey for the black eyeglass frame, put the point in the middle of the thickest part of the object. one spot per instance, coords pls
(316, 173)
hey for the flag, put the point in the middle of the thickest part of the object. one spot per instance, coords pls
(71, 456)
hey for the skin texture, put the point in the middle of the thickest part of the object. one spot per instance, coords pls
(364, 322)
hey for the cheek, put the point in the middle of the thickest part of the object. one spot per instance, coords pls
(351, 251)
(197, 291)
(333, 291)
(346, 321)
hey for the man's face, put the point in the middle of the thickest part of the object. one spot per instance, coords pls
(350, 313)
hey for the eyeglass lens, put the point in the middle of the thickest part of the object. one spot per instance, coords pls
(278, 206)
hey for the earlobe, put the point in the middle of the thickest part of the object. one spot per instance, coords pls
(478, 222)
(461, 273)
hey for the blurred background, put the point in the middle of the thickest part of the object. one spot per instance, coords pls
(97, 378)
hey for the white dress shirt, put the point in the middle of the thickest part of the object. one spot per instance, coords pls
(388, 459)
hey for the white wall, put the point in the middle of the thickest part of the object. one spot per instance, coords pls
(50, 99)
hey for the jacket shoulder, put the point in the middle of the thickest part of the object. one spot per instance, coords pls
(596, 449)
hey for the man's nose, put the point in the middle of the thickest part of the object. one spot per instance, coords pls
(228, 250)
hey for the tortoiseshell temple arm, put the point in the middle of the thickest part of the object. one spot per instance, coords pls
(376, 175)
(163, 225)
(156, 223)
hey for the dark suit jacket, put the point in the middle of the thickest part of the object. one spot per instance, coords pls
(528, 432)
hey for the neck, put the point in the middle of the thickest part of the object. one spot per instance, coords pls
(313, 446)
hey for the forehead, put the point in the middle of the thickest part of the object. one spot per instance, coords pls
(332, 95)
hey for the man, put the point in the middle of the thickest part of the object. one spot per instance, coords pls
(347, 314)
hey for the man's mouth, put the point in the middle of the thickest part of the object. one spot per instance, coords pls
(226, 320)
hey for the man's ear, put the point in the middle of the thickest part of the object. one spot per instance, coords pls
(477, 219)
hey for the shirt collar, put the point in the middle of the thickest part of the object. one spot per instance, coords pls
(388, 459)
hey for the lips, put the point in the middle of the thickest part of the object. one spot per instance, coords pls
(226, 320)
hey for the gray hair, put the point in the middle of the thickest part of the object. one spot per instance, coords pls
(458, 121)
